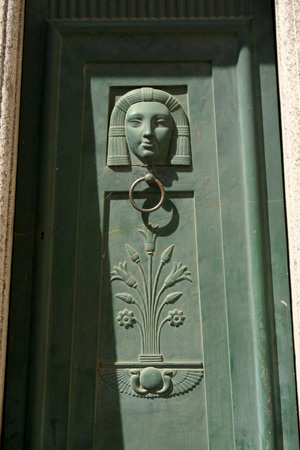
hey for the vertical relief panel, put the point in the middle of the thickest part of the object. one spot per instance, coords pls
(151, 270)
(150, 357)
(150, 346)
(159, 365)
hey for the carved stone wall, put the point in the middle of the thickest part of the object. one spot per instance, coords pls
(288, 50)
(11, 46)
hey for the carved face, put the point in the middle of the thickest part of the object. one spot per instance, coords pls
(148, 128)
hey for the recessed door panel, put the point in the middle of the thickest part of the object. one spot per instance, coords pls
(117, 341)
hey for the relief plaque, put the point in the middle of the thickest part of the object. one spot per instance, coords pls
(148, 127)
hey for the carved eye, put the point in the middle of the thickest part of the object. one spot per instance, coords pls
(162, 123)
(135, 122)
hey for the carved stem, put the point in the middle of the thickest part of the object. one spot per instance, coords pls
(142, 300)
(158, 297)
(144, 279)
(143, 275)
(150, 305)
(142, 334)
(145, 315)
(156, 323)
(159, 331)
(157, 278)
(142, 313)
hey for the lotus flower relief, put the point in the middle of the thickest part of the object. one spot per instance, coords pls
(176, 318)
(121, 273)
(150, 237)
(126, 319)
(178, 273)
(149, 300)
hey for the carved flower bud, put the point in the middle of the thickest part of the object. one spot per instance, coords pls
(169, 282)
(131, 281)
(173, 297)
(167, 254)
(127, 298)
(133, 254)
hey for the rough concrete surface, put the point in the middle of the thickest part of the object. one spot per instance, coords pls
(288, 49)
(11, 46)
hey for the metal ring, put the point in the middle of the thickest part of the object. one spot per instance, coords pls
(159, 184)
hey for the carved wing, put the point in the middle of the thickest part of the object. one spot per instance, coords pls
(186, 380)
(117, 379)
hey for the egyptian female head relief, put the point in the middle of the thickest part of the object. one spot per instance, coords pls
(148, 127)
(148, 131)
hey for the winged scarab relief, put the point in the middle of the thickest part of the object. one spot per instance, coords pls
(152, 382)
(151, 376)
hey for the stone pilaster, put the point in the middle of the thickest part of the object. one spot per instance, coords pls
(288, 51)
(11, 48)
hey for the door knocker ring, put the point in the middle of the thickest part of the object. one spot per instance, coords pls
(147, 179)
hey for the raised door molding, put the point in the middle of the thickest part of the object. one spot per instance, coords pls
(147, 9)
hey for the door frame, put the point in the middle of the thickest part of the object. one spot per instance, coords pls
(11, 49)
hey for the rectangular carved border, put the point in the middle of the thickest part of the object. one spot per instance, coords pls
(147, 9)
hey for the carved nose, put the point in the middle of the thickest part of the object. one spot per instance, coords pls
(147, 132)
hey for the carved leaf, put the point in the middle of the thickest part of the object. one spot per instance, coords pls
(173, 297)
(150, 235)
(181, 269)
(127, 298)
(143, 233)
(114, 276)
(120, 272)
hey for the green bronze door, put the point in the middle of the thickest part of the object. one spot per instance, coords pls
(160, 301)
